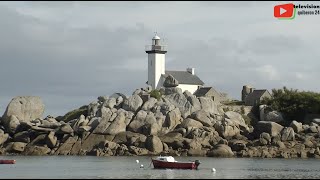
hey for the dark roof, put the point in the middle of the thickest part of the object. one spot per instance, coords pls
(202, 91)
(184, 77)
(256, 94)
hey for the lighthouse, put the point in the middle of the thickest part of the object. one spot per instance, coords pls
(157, 74)
(156, 62)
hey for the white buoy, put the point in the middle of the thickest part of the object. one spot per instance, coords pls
(141, 166)
(213, 170)
(137, 161)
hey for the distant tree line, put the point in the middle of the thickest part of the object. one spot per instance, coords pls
(294, 104)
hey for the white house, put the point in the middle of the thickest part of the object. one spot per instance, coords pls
(157, 73)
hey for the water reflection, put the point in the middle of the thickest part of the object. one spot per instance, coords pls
(34, 167)
(169, 174)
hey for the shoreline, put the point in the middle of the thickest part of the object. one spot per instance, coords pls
(234, 148)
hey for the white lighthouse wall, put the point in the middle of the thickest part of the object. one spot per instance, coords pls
(191, 88)
(156, 67)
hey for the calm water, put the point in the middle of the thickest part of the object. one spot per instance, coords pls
(84, 167)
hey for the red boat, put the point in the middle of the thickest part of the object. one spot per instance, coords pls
(7, 161)
(168, 162)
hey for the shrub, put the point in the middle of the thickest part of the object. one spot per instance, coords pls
(242, 110)
(294, 104)
(156, 94)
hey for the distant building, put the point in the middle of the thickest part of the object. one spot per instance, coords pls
(246, 90)
(210, 92)
(188, 80)
(255, 97)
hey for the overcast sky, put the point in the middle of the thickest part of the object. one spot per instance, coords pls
(69, 53)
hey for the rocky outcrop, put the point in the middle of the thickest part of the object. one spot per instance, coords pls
(171, 90)
(265, 138)
(141, 120)
(271, 128)
(65, 148)
(208, 105)
(191, 123)
(287, 134)
(227, 128)
(23, 136)
(238, 121)
(173, 118)
(178, 100)
(170, 81)
(154, 144)
(51, 140)
(18, 147)
(221, 150)
(193, 100)
(65, 129)
(24, 108)
(149, 104)
(36, 150)
(178, 124)
(12, 124)
(297, 127)
(118, 125)
(138, 151)
(203, 117)
(93, 140)
(266, 114)
(3, 137)
(274, 116)
(133, 103)
(104, 123)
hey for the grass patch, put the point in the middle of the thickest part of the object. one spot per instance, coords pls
(74, 114)
(247, 120)
(233, 102)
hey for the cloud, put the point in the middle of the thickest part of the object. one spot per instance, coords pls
(301, 76)
(69, 53)
(268, 72)
(58, 62)
(275, 44)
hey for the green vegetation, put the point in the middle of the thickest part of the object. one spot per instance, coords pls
(294, 105)
(233, 102)
(247, 120)
(156, 94)
(242, 110)
(74, 114)
(226, 109)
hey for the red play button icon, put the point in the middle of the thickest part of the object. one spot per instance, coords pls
(284, 10)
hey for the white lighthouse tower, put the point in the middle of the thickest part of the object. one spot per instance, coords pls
(156, 62)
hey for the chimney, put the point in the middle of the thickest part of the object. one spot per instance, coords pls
(191, 70)
(252, 89)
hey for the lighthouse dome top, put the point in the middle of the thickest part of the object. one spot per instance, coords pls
(156, 37)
